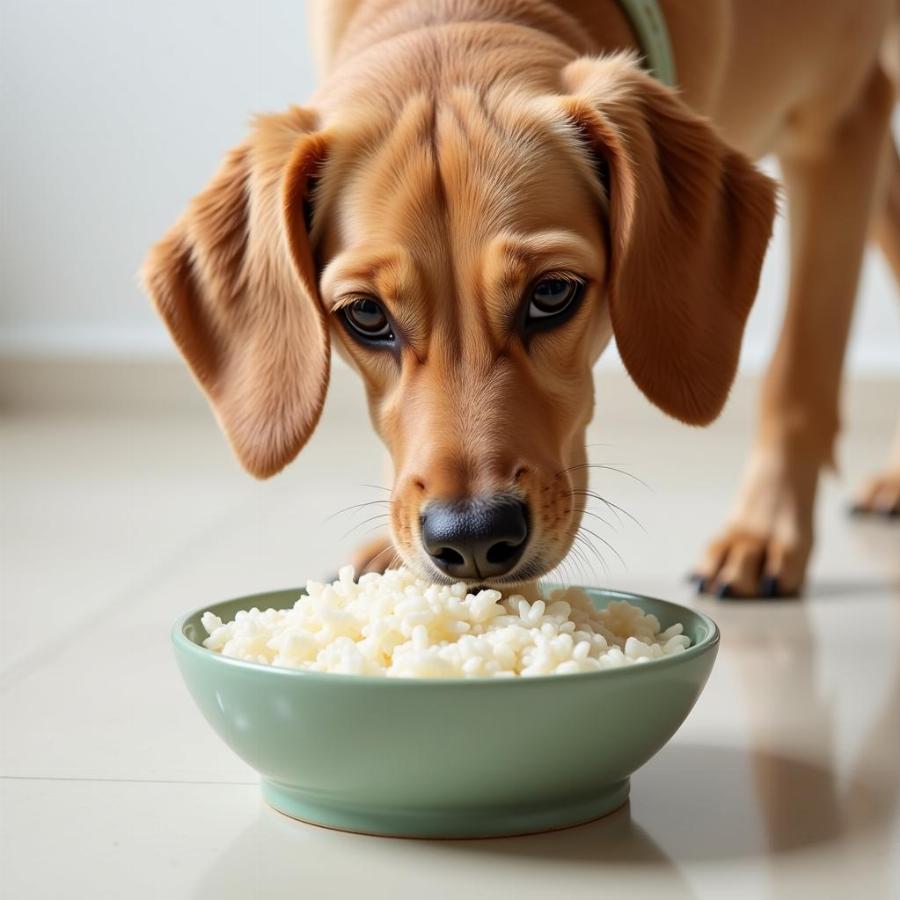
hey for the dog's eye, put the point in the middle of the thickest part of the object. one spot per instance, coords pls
(367, 320)
(551, 299)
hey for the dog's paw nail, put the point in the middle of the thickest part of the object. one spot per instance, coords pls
(857, 509)
(769, 587)
(723, 592)
(699, 583)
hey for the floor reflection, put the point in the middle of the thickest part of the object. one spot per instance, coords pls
(276, 856)
(776, 658)
(611, 841)
(702, 803)
(879, 753)
(803, 796)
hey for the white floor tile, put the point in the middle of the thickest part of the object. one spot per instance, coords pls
(784, 780)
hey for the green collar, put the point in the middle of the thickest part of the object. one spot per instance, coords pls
(649, 25)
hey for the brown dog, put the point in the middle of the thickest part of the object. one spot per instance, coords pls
(481, 194)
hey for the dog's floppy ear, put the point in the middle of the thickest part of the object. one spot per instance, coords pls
(689, 222)
(235, 284)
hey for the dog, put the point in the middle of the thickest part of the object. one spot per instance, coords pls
(481, 194)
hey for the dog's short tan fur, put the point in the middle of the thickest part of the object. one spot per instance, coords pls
(456, 151)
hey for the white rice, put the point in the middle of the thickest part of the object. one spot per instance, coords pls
(400, 625)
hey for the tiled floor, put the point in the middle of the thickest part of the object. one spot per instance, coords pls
(784, 781)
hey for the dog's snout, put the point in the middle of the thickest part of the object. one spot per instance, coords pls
(479, 538)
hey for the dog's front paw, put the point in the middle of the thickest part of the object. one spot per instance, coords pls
(740, 564)
(880, 496)
(765, 548)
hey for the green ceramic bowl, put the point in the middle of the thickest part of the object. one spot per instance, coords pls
(445, 758)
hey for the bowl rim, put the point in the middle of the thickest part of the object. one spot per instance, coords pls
(184, 644)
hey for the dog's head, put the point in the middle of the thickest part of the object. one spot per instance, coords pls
(471, 255)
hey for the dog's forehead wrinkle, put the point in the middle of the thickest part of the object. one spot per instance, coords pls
(457, 154)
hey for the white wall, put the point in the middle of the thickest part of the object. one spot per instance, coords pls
(115, 113)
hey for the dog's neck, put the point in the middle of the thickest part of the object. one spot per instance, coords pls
(383, 32)
(380, 21)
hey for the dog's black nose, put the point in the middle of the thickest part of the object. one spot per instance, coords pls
(474, 539)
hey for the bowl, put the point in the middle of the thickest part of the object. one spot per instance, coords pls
(456, 758)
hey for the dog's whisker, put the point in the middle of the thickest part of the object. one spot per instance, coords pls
(561, 571)
(588, 512)
(558, 574)
(583, 561)
(605, 542)
(582, 538)
(619, 509)
(588, 545)
(370, 530)
(377, 518)
(612, 506)
(378, 487)
(608, 467)
(590, 494)
(355, 506)
(581, 564)
(576, 567)
(381, 552)
(597, 553)
(565, 569)
(582, 544)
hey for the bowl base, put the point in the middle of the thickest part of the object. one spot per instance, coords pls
(443, 823)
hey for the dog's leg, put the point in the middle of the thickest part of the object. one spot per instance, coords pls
(831, 184)
(881, 494)
(887, 223)
(376, 555)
